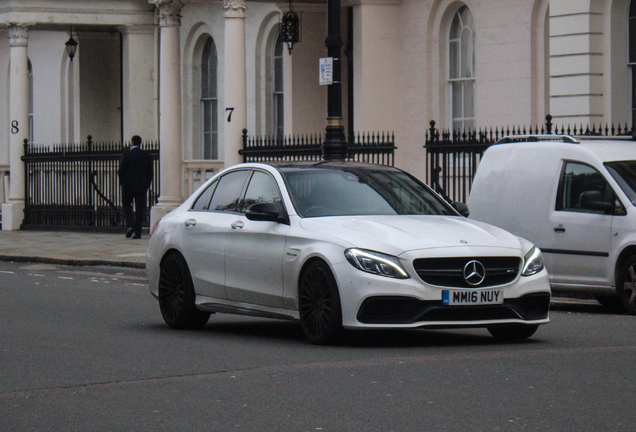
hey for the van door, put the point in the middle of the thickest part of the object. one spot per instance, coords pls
(581, 227)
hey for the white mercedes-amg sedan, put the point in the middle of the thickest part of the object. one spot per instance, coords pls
(340, 246)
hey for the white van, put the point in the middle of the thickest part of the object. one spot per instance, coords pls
(574, 199)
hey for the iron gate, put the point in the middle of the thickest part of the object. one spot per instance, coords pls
(77, 185)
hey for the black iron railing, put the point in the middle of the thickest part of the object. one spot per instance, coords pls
(452, 157)
(377, 148)
(77, 185)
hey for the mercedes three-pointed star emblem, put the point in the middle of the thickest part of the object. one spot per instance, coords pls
(474, 273)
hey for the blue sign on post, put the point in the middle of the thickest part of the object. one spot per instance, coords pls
(326, 71)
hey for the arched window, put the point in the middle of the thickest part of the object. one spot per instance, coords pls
(632, 56)
(30, 67)
(278, 112)
(461, 70)
(209, 102)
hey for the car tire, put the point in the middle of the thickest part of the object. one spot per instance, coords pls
(626, 285)
(513, 332)
(319, 304)
(176, 294)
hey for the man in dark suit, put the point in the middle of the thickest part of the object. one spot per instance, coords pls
(135, 176)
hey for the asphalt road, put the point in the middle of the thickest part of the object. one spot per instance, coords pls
(86, 349)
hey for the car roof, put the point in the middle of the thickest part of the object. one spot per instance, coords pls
(604, 149)
(290, 165)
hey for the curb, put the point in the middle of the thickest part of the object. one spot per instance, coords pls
(72, 261)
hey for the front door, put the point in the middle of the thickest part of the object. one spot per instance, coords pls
(582, 237)
(254, 249)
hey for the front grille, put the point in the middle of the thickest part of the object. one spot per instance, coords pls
(408, 310)
(450, 272)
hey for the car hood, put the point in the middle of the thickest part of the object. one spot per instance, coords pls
(398, 234)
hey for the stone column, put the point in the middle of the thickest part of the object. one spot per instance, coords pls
(169, 108)
(13, 210)
(235, 95)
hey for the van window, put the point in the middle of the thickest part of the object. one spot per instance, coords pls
(578, 180)
(624, 172)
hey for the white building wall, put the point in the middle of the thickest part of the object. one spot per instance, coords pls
(576, 61)
(503, 62)
(47, 55)
(378, 66)
(139, 84)
(100, 88)
(4, 96)
(575, 68)
(309, 97)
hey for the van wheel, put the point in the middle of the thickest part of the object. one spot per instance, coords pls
(626, 285)
(513, 332)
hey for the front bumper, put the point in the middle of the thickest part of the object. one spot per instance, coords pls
(409, 310)
(370, 301)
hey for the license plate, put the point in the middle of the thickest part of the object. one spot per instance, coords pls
(472, 297)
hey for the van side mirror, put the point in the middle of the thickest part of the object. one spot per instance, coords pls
(461, 208)
(593, 200)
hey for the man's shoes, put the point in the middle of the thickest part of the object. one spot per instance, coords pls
(130, 232)
(137, 236)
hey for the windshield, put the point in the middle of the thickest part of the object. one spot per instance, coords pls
(624, 172)
(360, 191)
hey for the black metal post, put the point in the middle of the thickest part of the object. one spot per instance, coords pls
(335, 145)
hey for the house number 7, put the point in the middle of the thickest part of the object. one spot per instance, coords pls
(229, 116)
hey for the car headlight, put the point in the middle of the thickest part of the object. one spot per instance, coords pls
(532, 262)
(376, 263)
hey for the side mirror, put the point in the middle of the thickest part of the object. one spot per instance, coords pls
(593, 200)
(461, 208)
(266, 212)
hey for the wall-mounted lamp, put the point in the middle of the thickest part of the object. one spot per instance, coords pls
(290, 28)
(71, 46)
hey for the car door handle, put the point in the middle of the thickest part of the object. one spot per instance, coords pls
(559, 229)
(237, 225)
(190, 223)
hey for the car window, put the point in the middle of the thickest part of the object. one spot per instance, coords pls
(334, 192)
(203, 202)
(261, 189)
(579, 178)
(228, 192)
(624, 172)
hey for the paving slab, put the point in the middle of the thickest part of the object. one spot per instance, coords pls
(73, 248)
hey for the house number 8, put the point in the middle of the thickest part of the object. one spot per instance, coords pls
(14, 127)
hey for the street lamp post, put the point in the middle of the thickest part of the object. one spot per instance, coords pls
(335, 145)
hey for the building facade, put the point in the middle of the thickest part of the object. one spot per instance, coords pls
(194, 73)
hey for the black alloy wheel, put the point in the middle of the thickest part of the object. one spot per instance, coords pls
(626, 285)
(513, 332)
(176, 294)
(319, 304)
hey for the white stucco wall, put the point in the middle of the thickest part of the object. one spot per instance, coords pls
(4, 92)
(575, 69)
(100, 89)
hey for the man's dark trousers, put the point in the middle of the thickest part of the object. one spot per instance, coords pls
(135, 220)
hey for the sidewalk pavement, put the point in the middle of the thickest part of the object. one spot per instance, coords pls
(73, 248)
